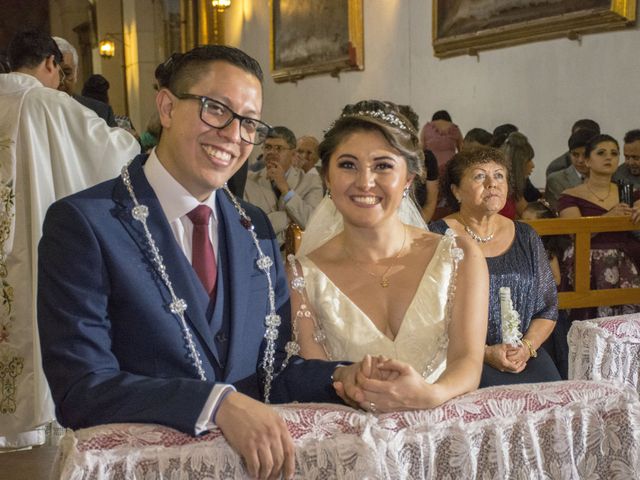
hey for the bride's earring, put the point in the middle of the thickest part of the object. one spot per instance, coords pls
(405, 193)
(329, 193)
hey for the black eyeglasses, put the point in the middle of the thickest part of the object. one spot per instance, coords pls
(218, 115)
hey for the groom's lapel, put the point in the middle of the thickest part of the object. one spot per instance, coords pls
(242, 254)
(180, 272)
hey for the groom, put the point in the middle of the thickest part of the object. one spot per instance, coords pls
(148, 313)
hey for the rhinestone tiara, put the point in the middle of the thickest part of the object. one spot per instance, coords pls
(387, 117)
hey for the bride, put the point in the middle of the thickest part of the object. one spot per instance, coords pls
(371, 285)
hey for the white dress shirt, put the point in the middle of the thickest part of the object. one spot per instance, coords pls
(176, 203)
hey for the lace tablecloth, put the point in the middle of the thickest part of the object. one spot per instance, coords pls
(562, 430)
(606, 349)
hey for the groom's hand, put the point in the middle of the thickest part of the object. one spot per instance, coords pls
(344, 383)
(348, 379)
(259, 435)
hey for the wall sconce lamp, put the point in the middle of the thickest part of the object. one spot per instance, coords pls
(107, 47)
(221, 5)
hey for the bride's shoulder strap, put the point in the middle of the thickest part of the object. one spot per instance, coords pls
(302, 311)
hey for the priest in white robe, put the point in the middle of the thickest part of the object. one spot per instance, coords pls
(50, 147)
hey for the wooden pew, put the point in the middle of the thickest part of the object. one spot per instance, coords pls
(582, 229)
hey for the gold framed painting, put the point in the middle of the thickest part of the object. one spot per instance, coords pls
(467, 26)
(310, 37)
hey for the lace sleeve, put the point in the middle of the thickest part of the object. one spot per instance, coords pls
(308, 337)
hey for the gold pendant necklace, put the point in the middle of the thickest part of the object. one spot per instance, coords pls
(383, 279)
(595, 195)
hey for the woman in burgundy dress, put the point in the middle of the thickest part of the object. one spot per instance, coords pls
(615, 256)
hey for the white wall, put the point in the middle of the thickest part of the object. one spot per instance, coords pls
(541, 87)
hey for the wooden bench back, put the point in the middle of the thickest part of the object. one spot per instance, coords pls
(582, 229)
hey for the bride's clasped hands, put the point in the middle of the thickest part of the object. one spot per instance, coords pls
(381, 384)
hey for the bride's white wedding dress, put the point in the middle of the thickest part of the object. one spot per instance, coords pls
(348, 333)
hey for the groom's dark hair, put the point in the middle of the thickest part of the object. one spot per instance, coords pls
(181, 70)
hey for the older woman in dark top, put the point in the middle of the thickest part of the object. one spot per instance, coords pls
(476, 183)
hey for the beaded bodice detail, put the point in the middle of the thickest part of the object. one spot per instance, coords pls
(347, 333)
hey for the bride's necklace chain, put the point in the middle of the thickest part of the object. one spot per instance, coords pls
(178, 306)
(383, 280)
(473, 234)
(602, 199)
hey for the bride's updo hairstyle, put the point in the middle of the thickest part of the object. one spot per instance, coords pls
(181, 70)
(384, 117)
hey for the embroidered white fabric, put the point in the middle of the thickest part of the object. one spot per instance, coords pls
(326, 222)
(560, 430)
(606, 348)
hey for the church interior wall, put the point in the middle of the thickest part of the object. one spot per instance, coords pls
(541, 87)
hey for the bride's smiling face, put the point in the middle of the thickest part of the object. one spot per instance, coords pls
(367, 178)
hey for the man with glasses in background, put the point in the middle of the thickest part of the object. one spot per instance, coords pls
(282, 190)
(163, 297)
(50, 147)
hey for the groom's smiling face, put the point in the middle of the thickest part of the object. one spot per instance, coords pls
(367, 178)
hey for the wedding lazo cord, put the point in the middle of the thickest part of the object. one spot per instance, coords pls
(178, 306)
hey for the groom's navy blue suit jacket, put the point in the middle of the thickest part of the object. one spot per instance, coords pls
(112, 352)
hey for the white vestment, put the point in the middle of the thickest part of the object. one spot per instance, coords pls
(50, 147)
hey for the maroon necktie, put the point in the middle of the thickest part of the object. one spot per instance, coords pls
(203, 258)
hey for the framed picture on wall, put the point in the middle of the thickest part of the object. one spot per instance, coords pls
(310, 37)
(467, 26)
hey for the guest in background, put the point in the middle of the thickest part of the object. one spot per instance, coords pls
(476, 184)
(574, 174)
(615, 256)
(426, 189)
(441, 136)
(97, 87)
(629, 172)
(283, 191)
(477, 137)
(564, 160)
(307, 154)
(501, 132)
(519, 153)
(68, 84)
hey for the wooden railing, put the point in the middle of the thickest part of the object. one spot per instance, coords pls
(292, 238)
(583, 228)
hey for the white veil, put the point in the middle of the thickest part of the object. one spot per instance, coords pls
(326, 222)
